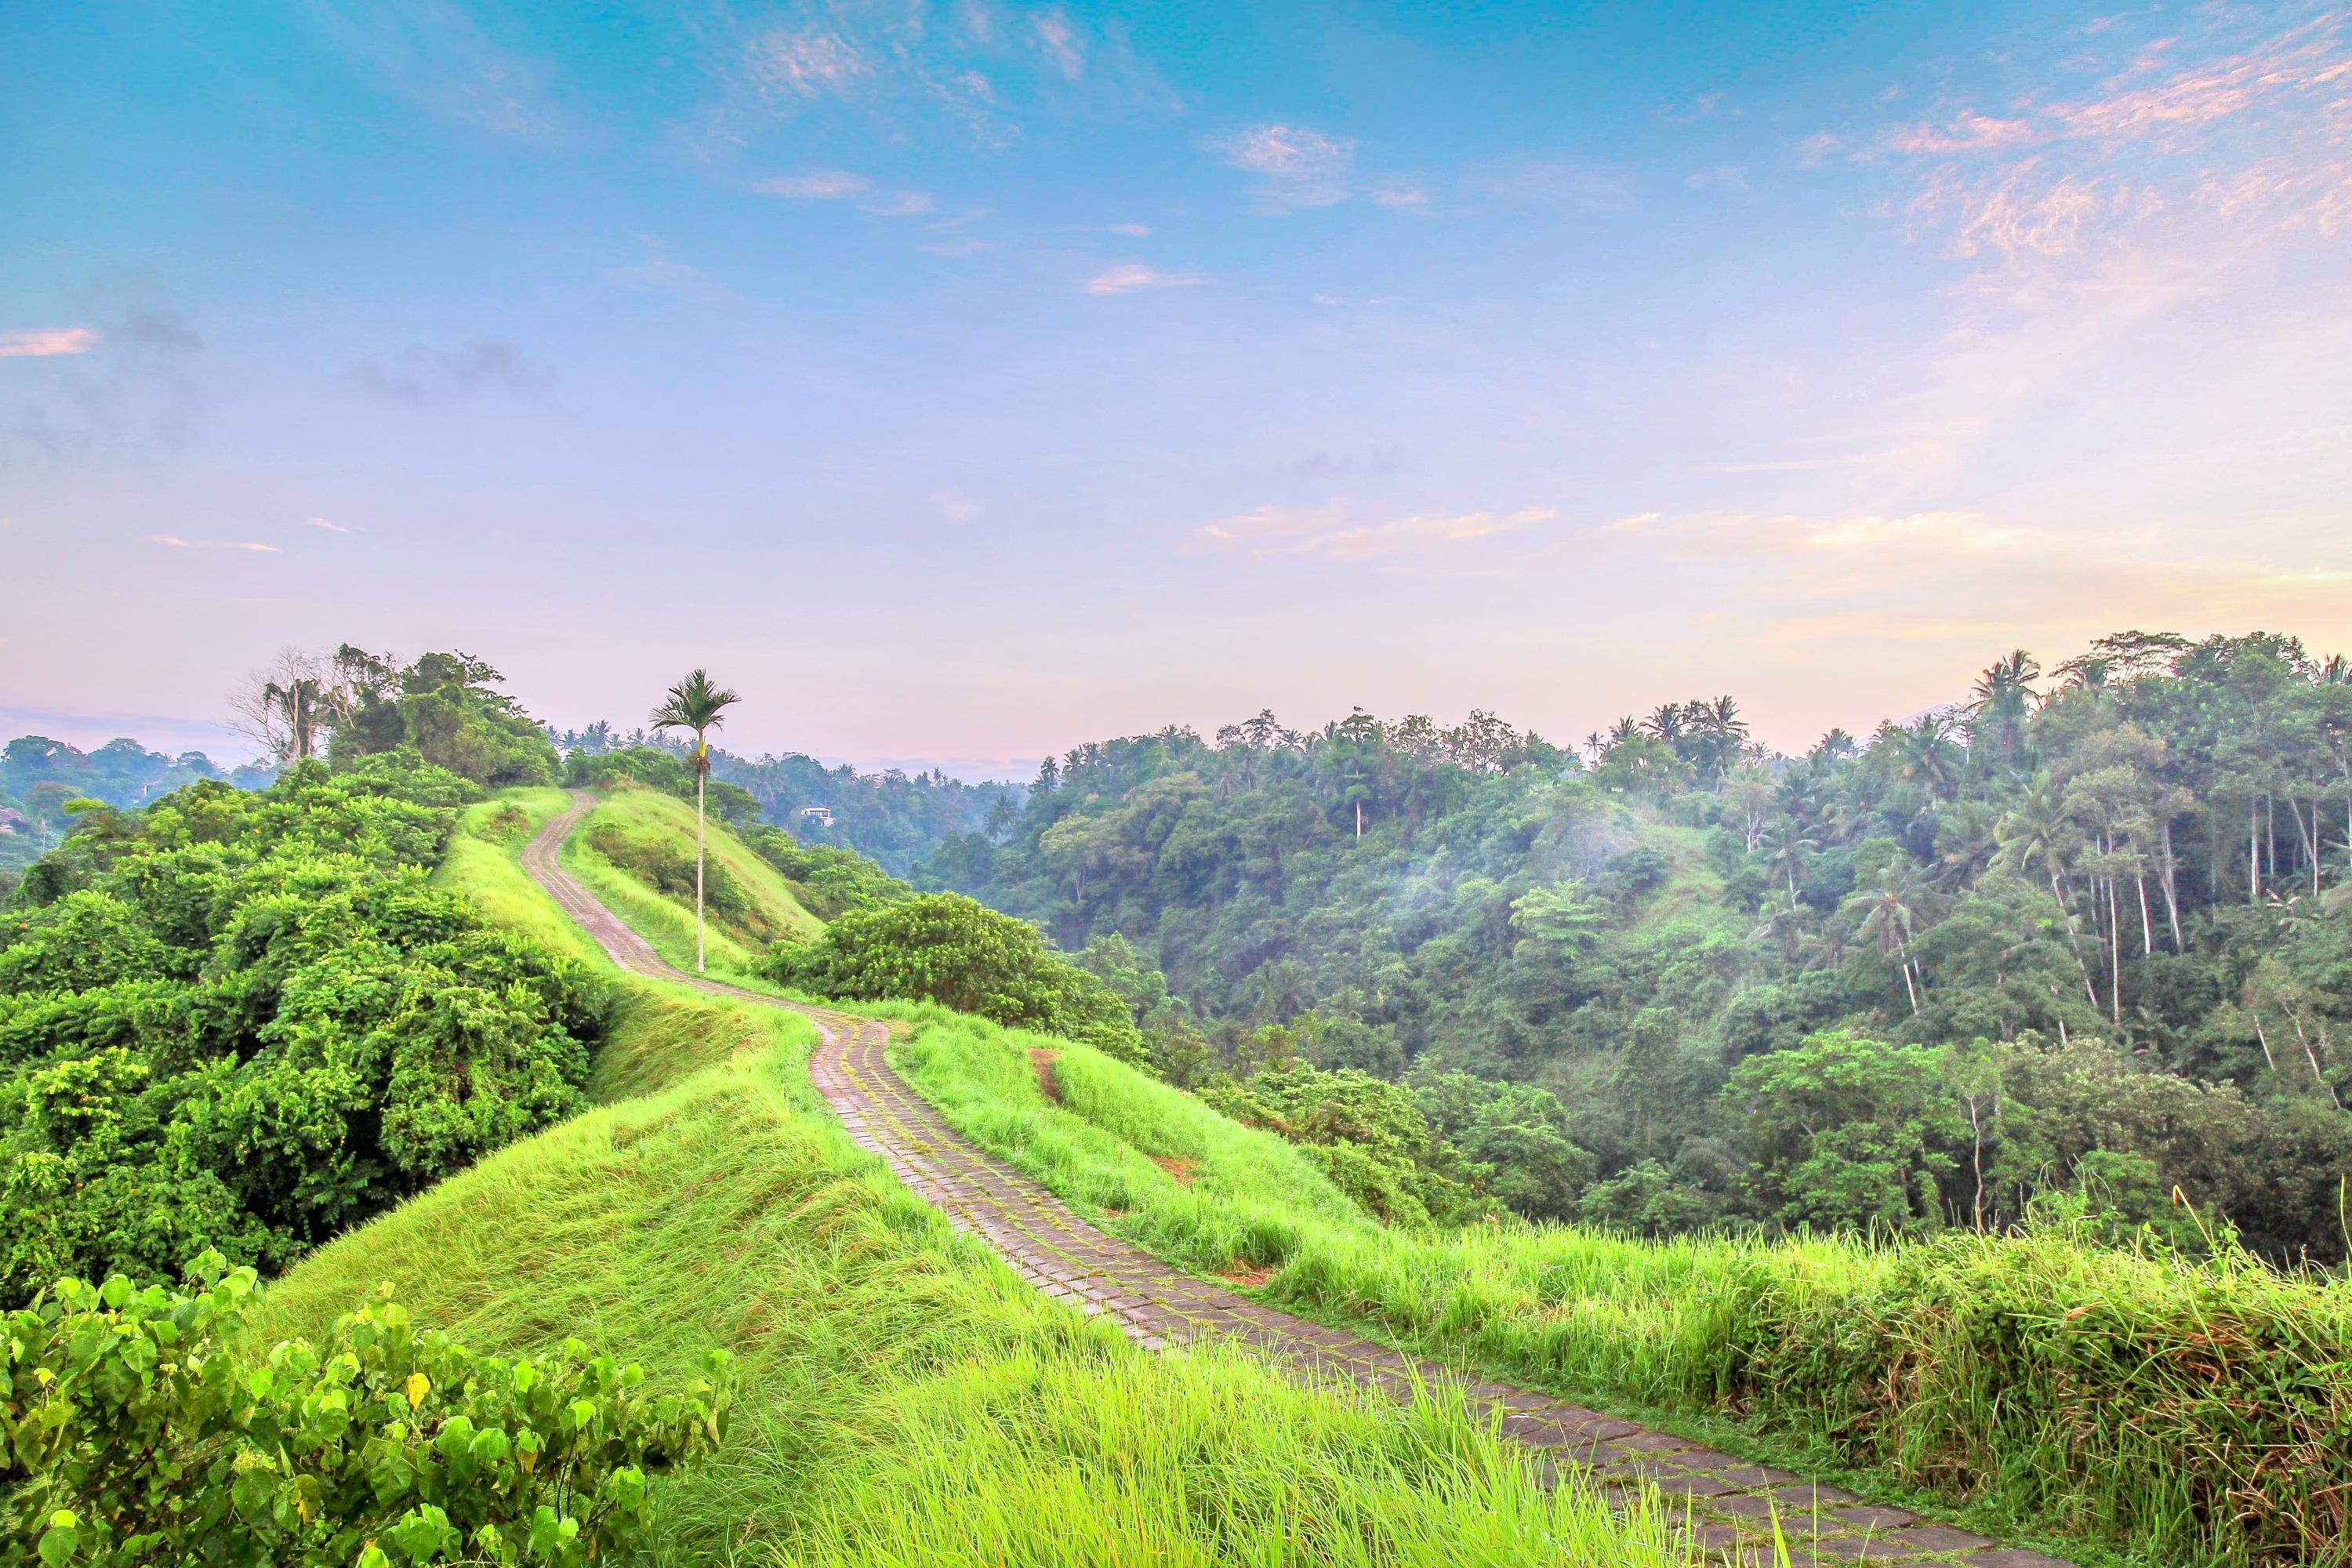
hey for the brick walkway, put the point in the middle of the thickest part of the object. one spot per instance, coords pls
(1732, 1503)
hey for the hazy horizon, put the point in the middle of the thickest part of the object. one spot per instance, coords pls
(966, 381)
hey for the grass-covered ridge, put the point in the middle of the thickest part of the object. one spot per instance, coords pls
(636, 849)
(2189, 1412)
(903, 1397)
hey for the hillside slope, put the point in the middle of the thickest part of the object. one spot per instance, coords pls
(905, 1398)
(636, 851)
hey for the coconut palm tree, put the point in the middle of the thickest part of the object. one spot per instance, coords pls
(1890, 918)
(696, 704)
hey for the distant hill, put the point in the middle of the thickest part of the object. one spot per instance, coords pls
(38, 775)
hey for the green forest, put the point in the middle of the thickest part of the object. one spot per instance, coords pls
(1969, 1074)
(2078, 938)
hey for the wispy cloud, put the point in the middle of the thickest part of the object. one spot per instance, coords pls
(1130, 276)
(1965, 132)
(176, 542)
(433, 54)
(807, 64)
(2251, 138)
(421, 372)
(1062, 45)
(329, 527)
(126, 383)
(899, 204)
(983, 68)
(663, 273)
(1556, 182)
(817, 185)
(843, 185)
(46, 342)
(1298, 167)
(1325, 531)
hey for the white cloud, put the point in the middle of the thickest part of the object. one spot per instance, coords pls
(1287, 153)
(1062, 43)
(1299, 167)
(1324, 531)
(901, 204)
(1130, 276)
(45, 342)
(321, 523)
(806, 65)
(666, 274)
(1131, 230)
(818, 186)
(176, 542)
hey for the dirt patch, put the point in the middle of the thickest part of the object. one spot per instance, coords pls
(1048, 1084)
(1248, 1276)
(1179, 1166)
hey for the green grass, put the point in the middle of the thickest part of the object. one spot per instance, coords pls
(904, 1397)
(2179, 1411)
(666, 921)
(481, 866)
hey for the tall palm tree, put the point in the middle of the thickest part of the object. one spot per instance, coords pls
(696, 704)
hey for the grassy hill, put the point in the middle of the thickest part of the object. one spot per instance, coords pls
(905, 1398)
(2053, 1390)
(636, 850)
(2047, 1387)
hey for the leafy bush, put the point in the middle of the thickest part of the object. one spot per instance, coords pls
(257, 1024)
(945, 948)
(1369, 1136)
(137, 1433)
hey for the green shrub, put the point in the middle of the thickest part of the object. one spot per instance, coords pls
(257, 1025)
(137, 1433)
(946, 948)
(1369, 1136)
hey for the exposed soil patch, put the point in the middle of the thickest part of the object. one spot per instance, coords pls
(1179, 1166)
(1244, 1274)
(1048, 1084)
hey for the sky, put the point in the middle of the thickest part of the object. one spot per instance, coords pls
(962, 381)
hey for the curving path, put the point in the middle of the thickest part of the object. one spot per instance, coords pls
(1731, 1501)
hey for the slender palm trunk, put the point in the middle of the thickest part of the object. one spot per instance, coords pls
(2172, 892)
(698, 868)
(2115, 946)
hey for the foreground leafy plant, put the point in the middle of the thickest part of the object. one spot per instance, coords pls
(138, 1432)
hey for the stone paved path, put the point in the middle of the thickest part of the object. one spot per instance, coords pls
(1732, 1503)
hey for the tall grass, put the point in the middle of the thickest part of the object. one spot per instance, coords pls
(2189, 1412)
(905, 1398)
(480, 864)
(668, 922)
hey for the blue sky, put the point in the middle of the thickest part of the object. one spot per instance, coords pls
(963, 381)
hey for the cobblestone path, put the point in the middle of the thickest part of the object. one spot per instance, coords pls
(1732, 1503)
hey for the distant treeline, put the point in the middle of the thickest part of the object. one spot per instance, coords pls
(2085, 938)
(40, 776)
(893, 818)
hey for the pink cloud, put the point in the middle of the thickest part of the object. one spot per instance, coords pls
(1324, 531)
(1128, 277)
(1968, 131)
(46, 342)
(176, 543)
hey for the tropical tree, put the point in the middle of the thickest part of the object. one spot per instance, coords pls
(696, 704)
